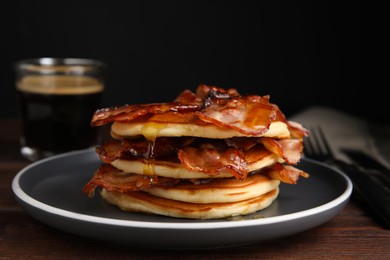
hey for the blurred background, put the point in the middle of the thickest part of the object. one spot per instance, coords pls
(300, 53)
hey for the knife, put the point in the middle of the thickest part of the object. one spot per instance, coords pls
(371, 192)
(365, 160)
(369, 165)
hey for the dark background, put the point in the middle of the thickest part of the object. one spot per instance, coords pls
(300, 53)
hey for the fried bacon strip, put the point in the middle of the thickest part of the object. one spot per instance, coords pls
(205, 92)
(112, 149)
(213, 161)
(289, 150)
(112, 179)
(131, 112)
(250, 115)
(242, 143)
(285, 173)
(297, 131)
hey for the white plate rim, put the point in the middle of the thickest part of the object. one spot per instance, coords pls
(18, 191)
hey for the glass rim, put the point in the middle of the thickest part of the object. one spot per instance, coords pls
(50, 64)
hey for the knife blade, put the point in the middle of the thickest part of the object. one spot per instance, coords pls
(375, 195)
(365, 160)
(369, 165)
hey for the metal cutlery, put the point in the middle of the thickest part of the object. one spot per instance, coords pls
(369, 165)
(369, 190)
(365, 160)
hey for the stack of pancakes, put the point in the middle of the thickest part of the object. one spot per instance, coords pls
(206, 155)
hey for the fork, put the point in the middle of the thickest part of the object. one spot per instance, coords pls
(317, 147)
(375, 195)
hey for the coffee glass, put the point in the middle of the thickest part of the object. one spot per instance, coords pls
(57, 98)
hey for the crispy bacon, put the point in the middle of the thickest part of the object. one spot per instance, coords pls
(140, 148)
(285, 173)
(289, 150)
(205, 92)
(213, 161)
(242, 143)
(130, 112)
(297, 130)
(250, 115)
(188, 97)
(112, 179)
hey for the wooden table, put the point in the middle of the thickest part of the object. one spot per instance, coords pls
(352, 234)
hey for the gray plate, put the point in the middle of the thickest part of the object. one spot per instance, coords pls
(50, 191)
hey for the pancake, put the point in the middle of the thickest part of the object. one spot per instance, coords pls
(209, 154)
(152, 130)
(217, 190)
(143, 202)
(177, 170)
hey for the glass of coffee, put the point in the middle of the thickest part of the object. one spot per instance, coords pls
(57, 99)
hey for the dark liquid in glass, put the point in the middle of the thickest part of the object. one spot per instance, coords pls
(53, 123)
(58, 123)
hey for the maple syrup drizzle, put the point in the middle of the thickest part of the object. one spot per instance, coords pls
(150, 131)
(149, 158)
